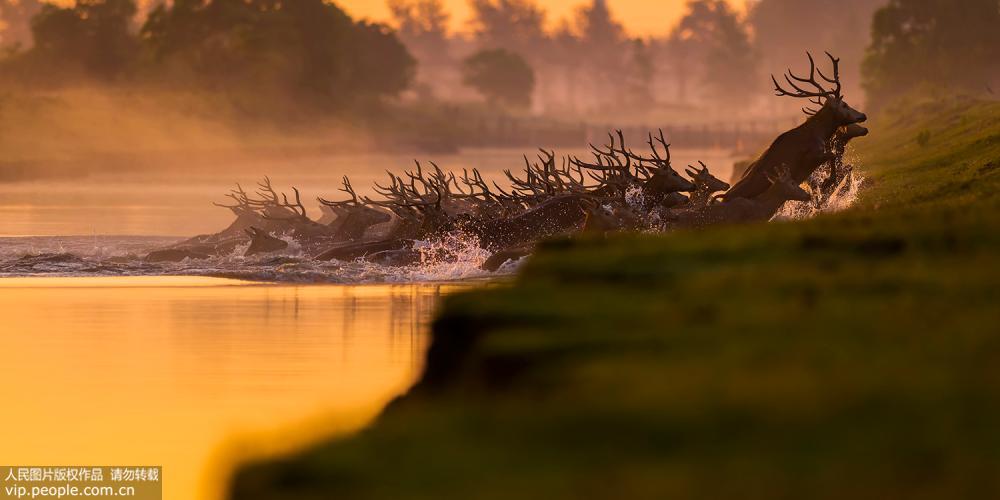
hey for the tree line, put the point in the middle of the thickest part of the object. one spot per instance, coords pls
(713, 54)
(310, 50)
(510, 54)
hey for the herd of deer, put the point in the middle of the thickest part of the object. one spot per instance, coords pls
(617, 189)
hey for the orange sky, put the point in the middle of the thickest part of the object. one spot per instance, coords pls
(640, 17)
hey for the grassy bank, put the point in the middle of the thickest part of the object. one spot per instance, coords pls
(854, 355)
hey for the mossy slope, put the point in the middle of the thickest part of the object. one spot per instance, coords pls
(854, 355)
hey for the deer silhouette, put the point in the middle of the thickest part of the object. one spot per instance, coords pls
(806, 147)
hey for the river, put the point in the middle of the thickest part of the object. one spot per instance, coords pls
(111, 363)
(197, 374)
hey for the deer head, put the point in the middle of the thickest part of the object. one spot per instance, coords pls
(704, 179)
(784, 188)
(262, 242)
(831, 101)
(598, 218)
(669, 181)
(354, 208)
(851, 131)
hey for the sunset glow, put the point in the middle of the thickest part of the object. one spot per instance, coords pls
(640, 17)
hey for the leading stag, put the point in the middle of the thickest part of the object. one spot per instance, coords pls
(806, 147)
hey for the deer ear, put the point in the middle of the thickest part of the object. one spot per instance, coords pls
(690, 173)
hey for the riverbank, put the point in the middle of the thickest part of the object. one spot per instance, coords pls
(853, 355)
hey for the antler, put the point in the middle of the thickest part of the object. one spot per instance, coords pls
(298, 209)
(821, 92)
(240, 197)
(267, 193)
(696, 173)
(349, 189)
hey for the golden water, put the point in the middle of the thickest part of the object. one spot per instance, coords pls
(196, 374)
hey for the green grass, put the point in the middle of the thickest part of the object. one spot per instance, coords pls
(854, 355)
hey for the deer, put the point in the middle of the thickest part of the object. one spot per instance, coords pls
(556, 216)
(419, 216)
(353, 217)
(282, 216)
(806, 147)
(599, 219)
(706, 185)
(514, 238)
(262, 242)
(782, 188)
(619, 169)
(268, 212)
(665, 185)
(837, 171)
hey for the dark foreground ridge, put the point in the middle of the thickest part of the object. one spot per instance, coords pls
(853, 355)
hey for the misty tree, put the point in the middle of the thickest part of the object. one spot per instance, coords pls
(310, 48)
(603, 49)
(503, 77)
(712, 33)
(92, 36)
(785, 29)
(515, 25)
(15, 22)
(932, 42)
(641, 72)
(423, 26)
(380, 64)
(597, 28)
(563, 68)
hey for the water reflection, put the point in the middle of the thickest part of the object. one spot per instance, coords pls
(194, 373)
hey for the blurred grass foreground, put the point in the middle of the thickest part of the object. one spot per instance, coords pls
(853, 355)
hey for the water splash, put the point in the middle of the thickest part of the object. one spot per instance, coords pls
(452, 257)
(841, 197)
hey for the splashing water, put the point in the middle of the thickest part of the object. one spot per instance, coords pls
(453, 257)
(842, 197)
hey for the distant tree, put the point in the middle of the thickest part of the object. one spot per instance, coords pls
(306, 45)
(601, 38)
(640, 74)
(597, 28)
(785, 29)
(15, 22)
(601, 51)
(515, 25)
(932, 41)
(720, 39)
(382, 66)
(92, 36)
(681, 53)
(564, 61)
(502, 77)
(423, 26)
